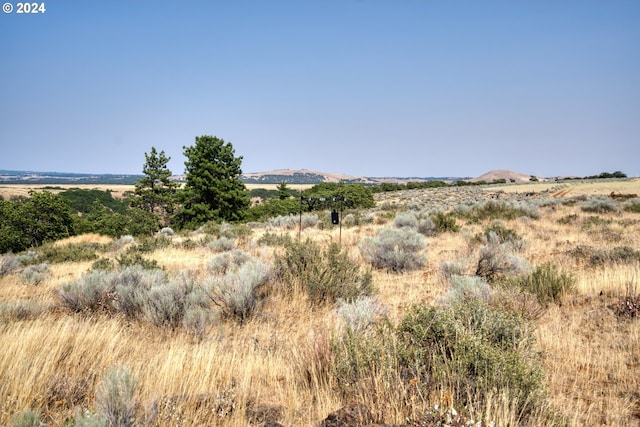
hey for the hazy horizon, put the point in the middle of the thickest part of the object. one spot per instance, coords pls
(364, 88)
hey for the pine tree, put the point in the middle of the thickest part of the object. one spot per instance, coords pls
(155, 192)
(213, 189)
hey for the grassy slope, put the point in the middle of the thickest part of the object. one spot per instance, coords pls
(53, 362)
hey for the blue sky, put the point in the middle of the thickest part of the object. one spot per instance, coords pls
(367, 88)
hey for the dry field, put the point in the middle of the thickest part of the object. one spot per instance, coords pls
(8, 191)
(265, 369)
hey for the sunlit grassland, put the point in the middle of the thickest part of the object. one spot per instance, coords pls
(280, 359)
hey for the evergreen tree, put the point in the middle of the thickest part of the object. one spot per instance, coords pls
(155, 192)
(283, 191)
(213, 189)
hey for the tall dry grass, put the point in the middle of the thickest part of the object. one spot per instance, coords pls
(277, 366)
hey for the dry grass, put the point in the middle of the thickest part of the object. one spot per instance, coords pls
(276, 365)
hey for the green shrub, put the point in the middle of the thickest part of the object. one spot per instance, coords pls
(116, 397)
(445, 223)
(273, 239)
(568, 219)
(473, 350)
(133, 256)
(72, 252)
(546, 282)
(394, 249)
(325, 275)
(103, 264)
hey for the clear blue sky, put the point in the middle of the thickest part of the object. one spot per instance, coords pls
(368, 88)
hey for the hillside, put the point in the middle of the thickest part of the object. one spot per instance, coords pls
(507, 175)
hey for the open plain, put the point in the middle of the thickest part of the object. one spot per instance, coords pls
(277, 366)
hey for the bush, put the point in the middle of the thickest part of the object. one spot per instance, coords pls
(473, 350)
(116, 398)
(405, 219)
(226, 261)
(601, 205)
(496, 210)
(545, 282)
(221, 244)
(168, 303)
(236, 292)
(35, 273)
(497, 261)
(110, 291)
(19, 310)
(361, 313)
(26, 418)
(272, 239)
(325, 275)
(465, 287)
(394, 249)
(445, 223)
(72, 252)
(632, 205)
(8, 264)
(133, 257)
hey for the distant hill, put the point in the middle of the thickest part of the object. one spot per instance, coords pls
(507, 175)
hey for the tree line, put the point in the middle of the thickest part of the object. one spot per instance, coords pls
(213, 191)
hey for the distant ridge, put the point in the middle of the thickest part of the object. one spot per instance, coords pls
(30, 177)
(305, 176)
(289, 176)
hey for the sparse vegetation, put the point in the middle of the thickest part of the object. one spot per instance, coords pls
(249, 324)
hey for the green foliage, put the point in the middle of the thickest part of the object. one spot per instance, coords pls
(546, 282)
(474, 349)
(133, 256)
(116, 397)
(326, 275)
(498, 233)
(272, 208)
(444, 223)
(101, 220)
(155, 192)
(82, 200)
(394, 249)
(30, 222)
(273, 239)
(213, 189)
(71, 252)
(356, 195)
